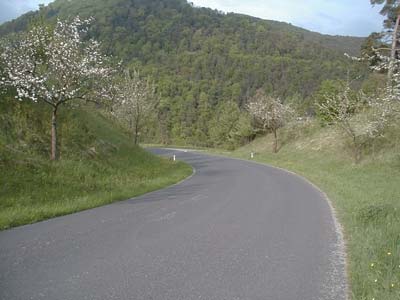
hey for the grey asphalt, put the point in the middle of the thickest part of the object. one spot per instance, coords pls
(234, 230)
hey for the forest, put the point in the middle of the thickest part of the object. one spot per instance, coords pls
(206, 64)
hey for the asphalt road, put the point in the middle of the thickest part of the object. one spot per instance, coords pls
(234, 230)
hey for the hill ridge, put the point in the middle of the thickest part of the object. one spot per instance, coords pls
(201, 59)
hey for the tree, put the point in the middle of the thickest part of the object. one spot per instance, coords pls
(372, 42)
(203, 118)
(374, 50)
(327, 89)
(384, 64)
(361, 118)
(136, 99)
(270, 112)
(229, 126)
(55, 66)
(391, 9)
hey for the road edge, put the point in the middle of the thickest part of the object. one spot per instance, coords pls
(339, 229)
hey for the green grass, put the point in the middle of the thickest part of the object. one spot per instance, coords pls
(366, 197)
(99, 165)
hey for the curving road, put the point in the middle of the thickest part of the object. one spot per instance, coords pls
(234, 230)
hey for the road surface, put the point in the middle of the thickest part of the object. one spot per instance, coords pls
(234, 230)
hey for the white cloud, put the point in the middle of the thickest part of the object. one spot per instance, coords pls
(355, 17)
(343, 17)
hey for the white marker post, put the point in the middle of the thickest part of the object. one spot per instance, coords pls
(252, 154)
(174, 157)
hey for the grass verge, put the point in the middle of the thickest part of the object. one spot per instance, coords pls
(99, 165)
(366, 197)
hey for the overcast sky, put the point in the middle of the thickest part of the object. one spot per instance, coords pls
(342, 17)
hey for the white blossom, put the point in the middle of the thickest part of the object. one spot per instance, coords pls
(54, 66)
(134, 100)
(361, 117)
(270, 112)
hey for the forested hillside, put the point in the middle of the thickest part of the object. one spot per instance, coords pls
(206, 63)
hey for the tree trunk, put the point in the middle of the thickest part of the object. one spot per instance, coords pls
(394, 49)
(136, 132)
(357, 155)
(357, 151)
(53, 155)
(275, 146)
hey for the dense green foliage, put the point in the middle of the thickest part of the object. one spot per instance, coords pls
(99, 163)
(200, 58)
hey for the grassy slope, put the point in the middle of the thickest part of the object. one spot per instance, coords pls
(366, 197)
(99, 165)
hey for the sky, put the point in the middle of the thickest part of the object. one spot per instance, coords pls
(11, 9)
(336, 17)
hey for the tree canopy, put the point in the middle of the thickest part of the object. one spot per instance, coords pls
(199, 57)
(390, 9)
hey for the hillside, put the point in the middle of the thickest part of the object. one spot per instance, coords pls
(201, 58)
(99, 163)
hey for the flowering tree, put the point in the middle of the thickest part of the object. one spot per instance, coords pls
(385, 63)
(391, 9)
(55, 66)
(135, 100)
(344, 109)
(378, 110)
(270, 112)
